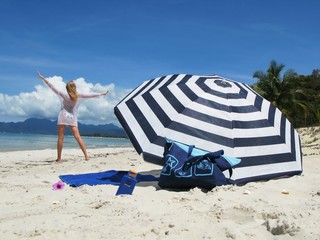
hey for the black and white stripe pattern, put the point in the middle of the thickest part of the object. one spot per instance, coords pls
(212, 113)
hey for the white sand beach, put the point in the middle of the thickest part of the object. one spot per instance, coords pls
(286, 208)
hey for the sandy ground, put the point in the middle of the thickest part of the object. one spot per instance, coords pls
(277, 209)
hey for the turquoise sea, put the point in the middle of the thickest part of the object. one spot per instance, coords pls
(19, 141)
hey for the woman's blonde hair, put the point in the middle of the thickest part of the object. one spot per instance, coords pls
(72, 90)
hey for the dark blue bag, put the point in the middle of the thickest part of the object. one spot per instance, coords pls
(188, 167)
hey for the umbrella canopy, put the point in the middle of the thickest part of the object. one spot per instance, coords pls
(212, 113)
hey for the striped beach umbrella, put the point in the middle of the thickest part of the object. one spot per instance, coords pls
(212, 113)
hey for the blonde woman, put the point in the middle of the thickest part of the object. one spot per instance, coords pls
(68, 114)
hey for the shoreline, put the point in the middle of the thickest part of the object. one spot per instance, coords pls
(18, 142)
(64, 149)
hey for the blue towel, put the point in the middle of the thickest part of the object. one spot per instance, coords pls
(108, 177)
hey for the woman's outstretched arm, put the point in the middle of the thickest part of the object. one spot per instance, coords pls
(92, 95)
(43, 78)
(55, 90)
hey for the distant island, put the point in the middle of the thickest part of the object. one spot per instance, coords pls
(45, 126)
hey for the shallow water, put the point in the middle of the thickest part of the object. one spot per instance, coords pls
(21, 141)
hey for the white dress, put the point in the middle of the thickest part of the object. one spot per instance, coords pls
(69, 109)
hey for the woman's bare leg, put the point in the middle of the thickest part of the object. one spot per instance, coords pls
(76, 134)
(61, 129)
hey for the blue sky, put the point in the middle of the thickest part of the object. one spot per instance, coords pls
(117, 44)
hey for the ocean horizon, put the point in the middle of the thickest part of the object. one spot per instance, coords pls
(29, 141)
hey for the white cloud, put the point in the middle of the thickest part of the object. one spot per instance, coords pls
(43, 103)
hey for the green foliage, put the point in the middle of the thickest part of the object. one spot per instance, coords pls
(297, 96)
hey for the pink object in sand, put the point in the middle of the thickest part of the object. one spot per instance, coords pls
(58, 186)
